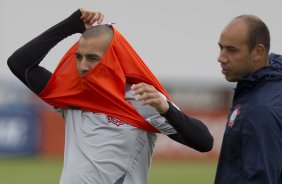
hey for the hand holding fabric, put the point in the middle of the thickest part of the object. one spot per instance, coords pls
(89, 17)
(149, 95)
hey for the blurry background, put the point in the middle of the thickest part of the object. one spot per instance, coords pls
(176, 39)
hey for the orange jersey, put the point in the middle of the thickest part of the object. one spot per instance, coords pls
(103, 88)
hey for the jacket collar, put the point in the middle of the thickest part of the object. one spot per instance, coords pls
(272, 72)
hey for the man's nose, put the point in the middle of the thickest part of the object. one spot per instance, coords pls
(84, 65)
(222, 57)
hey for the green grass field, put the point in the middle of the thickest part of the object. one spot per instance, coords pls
(47, 171)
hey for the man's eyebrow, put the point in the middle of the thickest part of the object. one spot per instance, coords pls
(232, 47)
(93, 55)
(228, 46)
(89, 55)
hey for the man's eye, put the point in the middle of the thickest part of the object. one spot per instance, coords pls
(94, 59)
(78, 57)
(232, 50)
(220, 48)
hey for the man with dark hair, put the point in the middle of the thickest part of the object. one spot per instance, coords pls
(112, 104)
(257, 31)
(251, 151)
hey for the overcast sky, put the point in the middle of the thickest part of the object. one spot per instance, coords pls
(176, 39)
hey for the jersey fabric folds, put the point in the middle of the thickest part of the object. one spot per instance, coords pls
(103, 88)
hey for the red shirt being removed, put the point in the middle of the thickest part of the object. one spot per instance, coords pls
(103, 88)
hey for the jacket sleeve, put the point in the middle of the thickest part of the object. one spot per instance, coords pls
(262, 146)
(190, 131)
(24, 62)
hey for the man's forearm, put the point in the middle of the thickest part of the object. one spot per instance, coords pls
(24, 62)
(191, 132)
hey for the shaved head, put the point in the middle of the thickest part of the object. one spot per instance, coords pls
(92, 45)
(98, 30)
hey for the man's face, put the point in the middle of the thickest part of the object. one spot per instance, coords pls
(235, 57)
(89, 53)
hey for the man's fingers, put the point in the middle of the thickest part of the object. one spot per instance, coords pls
(97, 16)
(149, 95)
(137, 86)
(101, 18)
(146, 96)
(84, 15)
(139, 89)
(90, 17)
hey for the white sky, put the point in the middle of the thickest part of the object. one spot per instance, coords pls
(176, 39)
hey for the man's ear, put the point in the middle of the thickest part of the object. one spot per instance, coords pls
(259, 52)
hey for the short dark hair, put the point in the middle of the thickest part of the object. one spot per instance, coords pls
(257, 30)
(97, 30)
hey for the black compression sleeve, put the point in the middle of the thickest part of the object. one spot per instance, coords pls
(24, 62)
(191, 132)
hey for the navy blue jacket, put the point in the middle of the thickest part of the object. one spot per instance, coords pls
(251, 151)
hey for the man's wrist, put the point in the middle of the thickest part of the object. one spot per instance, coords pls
(165, 109)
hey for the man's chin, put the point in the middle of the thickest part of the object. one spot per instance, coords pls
(231, 79)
